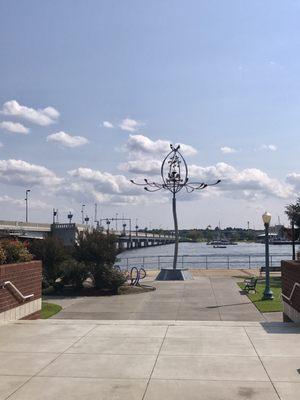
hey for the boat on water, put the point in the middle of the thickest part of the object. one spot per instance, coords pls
(219, 246)
(222, 242)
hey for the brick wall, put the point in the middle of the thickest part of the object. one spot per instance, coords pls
(290, 272)
(27, 277)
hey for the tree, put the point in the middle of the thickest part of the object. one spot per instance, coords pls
(53, 253)
(293, 212)
(98, 251)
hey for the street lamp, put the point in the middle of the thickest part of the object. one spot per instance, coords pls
(293, 239)
(107, 223)
(70, 216)
(268, 294)
(117, 214)
(82, 213)
(86, 220)
(26, 202)
(124, 229)
(136, 230)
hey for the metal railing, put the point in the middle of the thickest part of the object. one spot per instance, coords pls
(219, 261)
(289, 298)
(16, 290)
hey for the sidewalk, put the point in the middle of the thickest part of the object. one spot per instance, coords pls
(150, 360)
(204, 299)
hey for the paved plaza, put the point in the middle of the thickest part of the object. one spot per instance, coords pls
(203, 299)
(150, 360)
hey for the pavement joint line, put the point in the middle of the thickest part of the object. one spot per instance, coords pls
(155, 362)
(213, 291)
(262, 364)
(36, 374)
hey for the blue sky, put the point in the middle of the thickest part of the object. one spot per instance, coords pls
(221, 77)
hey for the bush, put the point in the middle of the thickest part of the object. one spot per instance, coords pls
(98, 251)
(53, 253)
(74, 273)
(15, 251)
(107, 277)
(2, 255)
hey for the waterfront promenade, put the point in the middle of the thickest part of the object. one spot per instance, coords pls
(215, 297)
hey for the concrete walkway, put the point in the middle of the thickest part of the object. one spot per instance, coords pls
(149, 360)
(204, 299)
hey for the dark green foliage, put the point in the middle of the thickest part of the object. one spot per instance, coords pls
(98, 251)
(15, 251)
(53, 253)
(74, 273)
(293, 212)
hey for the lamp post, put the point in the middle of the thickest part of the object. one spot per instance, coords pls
(55, 215)
(293, 239)
(70, 216)
(26, 204)
(124, 229)
(117, 221)
(107, 223)
(82, 213)
(268, 294)
(136, 230)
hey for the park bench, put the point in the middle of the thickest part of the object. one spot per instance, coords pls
(250, 284)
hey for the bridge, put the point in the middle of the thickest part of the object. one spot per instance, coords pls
(67, 232)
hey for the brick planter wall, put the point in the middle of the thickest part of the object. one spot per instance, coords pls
(290, 272)
(27, 277)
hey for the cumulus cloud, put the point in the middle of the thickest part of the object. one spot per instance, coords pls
(227, 150)
(107, 124)
(36, 204)
(67, 140)
(270, 147)
(245, 183)
(14, 127)
(130, 125)
(294, 179)
(146, 146)
(151, 167)
(44, 117)
(22, 173)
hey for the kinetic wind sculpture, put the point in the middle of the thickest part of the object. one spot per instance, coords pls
(174, 174)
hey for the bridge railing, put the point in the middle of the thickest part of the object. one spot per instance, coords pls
(219, 261)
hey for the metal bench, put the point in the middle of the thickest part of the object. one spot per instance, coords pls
(250, 284)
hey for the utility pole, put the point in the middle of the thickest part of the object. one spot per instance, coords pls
(26, 203)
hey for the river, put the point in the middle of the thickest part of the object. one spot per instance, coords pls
(201, 255)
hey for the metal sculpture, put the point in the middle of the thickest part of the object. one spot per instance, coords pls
(174, 174)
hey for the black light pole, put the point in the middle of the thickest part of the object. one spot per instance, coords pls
(268, 294)
(55, 215)
(136, 230)
(26, 203)
(82, 213)
(293, 239)
(70, 216)
(107, 223)
(174, 174)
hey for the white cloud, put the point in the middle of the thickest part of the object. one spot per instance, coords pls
(227, 150)
(107, 124)
(14, 127)
(130, 125)
(150, 167)
(43, 117)
(67, 140)
(19, 172)
(270, 147)
(294, 179)
(35, 204)
(246, 183)
(143, 145)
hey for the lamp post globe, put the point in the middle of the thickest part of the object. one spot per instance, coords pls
(268, 294)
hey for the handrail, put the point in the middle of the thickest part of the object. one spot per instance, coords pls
(289, 298)
(17, 291)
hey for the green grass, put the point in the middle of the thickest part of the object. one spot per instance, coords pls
(49, 309)
(266, 305)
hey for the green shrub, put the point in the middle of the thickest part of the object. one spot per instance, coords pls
(53, 253)
(2, 255)
(74, 273)
(98, 251)
(15, 251)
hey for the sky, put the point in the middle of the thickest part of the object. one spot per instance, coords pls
(93, 92)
